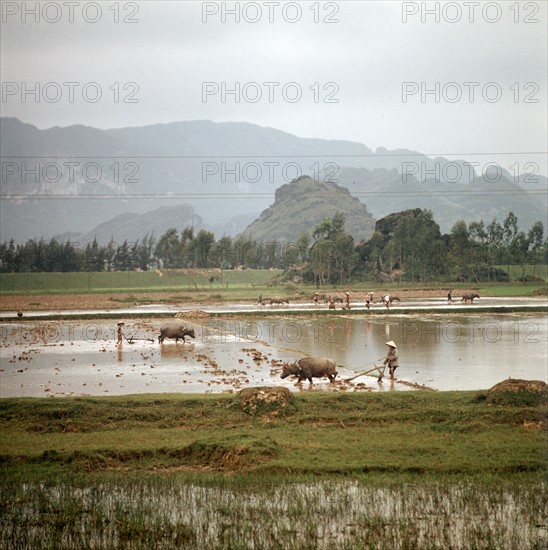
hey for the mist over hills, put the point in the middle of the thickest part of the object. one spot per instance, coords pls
(74, 179)
(387, 192)
(131, 227)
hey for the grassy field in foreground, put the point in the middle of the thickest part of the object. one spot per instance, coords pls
(422, 432)
(404, 470)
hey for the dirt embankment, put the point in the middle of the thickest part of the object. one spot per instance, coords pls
(124, 300)
(73, 301)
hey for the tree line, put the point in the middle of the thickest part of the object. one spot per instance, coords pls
(408, 245)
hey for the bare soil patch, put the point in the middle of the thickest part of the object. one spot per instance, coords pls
(113, 301)
(65, 302)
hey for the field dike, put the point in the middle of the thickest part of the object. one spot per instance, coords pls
(232, 454)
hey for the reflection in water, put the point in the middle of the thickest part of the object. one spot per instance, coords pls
(445, 352)
(176, 351)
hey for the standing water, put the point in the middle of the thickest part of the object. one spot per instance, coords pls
(444, 352)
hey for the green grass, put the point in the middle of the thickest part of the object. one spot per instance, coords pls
(516, 272)
(511, 289)
(402, 470)
(427, 432)
(235, 285)
(128, 281)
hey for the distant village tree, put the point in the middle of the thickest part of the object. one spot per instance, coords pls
(332, 255)
(167, 251)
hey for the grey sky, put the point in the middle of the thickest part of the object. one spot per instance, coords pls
(367, 55)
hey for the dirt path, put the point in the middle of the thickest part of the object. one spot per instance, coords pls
(123, 300)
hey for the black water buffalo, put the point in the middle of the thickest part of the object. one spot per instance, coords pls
(311, 367)
(469, 298)
(279, 301)
(176, 331)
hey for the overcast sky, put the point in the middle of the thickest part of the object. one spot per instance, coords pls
(360, 53)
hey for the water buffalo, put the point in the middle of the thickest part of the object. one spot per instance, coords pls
(469, 298)
(311, 367)
(387, 300)
(279, 301)
(175, 330)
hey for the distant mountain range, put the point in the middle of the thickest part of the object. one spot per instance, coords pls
(73, 180)
(131, 227)
(387, 192)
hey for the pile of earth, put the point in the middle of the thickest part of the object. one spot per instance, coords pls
(518, 392)
(192, 314)
(264, 400)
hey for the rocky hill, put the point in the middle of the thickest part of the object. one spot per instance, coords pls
(302, 204)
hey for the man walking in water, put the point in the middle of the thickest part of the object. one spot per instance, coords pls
(391, 358)
(120, 332)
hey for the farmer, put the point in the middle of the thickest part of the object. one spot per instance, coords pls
(391, 358)
(120, 332)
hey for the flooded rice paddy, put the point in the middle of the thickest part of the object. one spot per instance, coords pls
(338, 514)
(441, 351)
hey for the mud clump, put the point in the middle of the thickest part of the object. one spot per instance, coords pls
(266, 401)
(230, 454)
(517, 392)
(192, 314)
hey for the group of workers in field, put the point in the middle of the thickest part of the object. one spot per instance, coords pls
(386, 300)
(391, 359)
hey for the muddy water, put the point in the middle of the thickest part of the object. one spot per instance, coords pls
(445, 352)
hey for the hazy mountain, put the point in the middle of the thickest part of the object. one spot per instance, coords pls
(301, 205)
(69, 180)
(387, 192)
(132, 227)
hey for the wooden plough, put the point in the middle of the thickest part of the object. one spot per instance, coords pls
(379, 368)
(132, 340)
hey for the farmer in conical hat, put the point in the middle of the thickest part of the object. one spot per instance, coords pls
(347, 299)
(391, 358)
(120, 331)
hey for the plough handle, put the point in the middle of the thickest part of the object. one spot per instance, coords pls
(378, 368)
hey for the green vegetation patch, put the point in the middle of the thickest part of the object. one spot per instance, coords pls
(213, 453)
(132, 281)
(315, 433)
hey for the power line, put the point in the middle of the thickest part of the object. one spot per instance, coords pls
(317, 155)
(254, 195)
